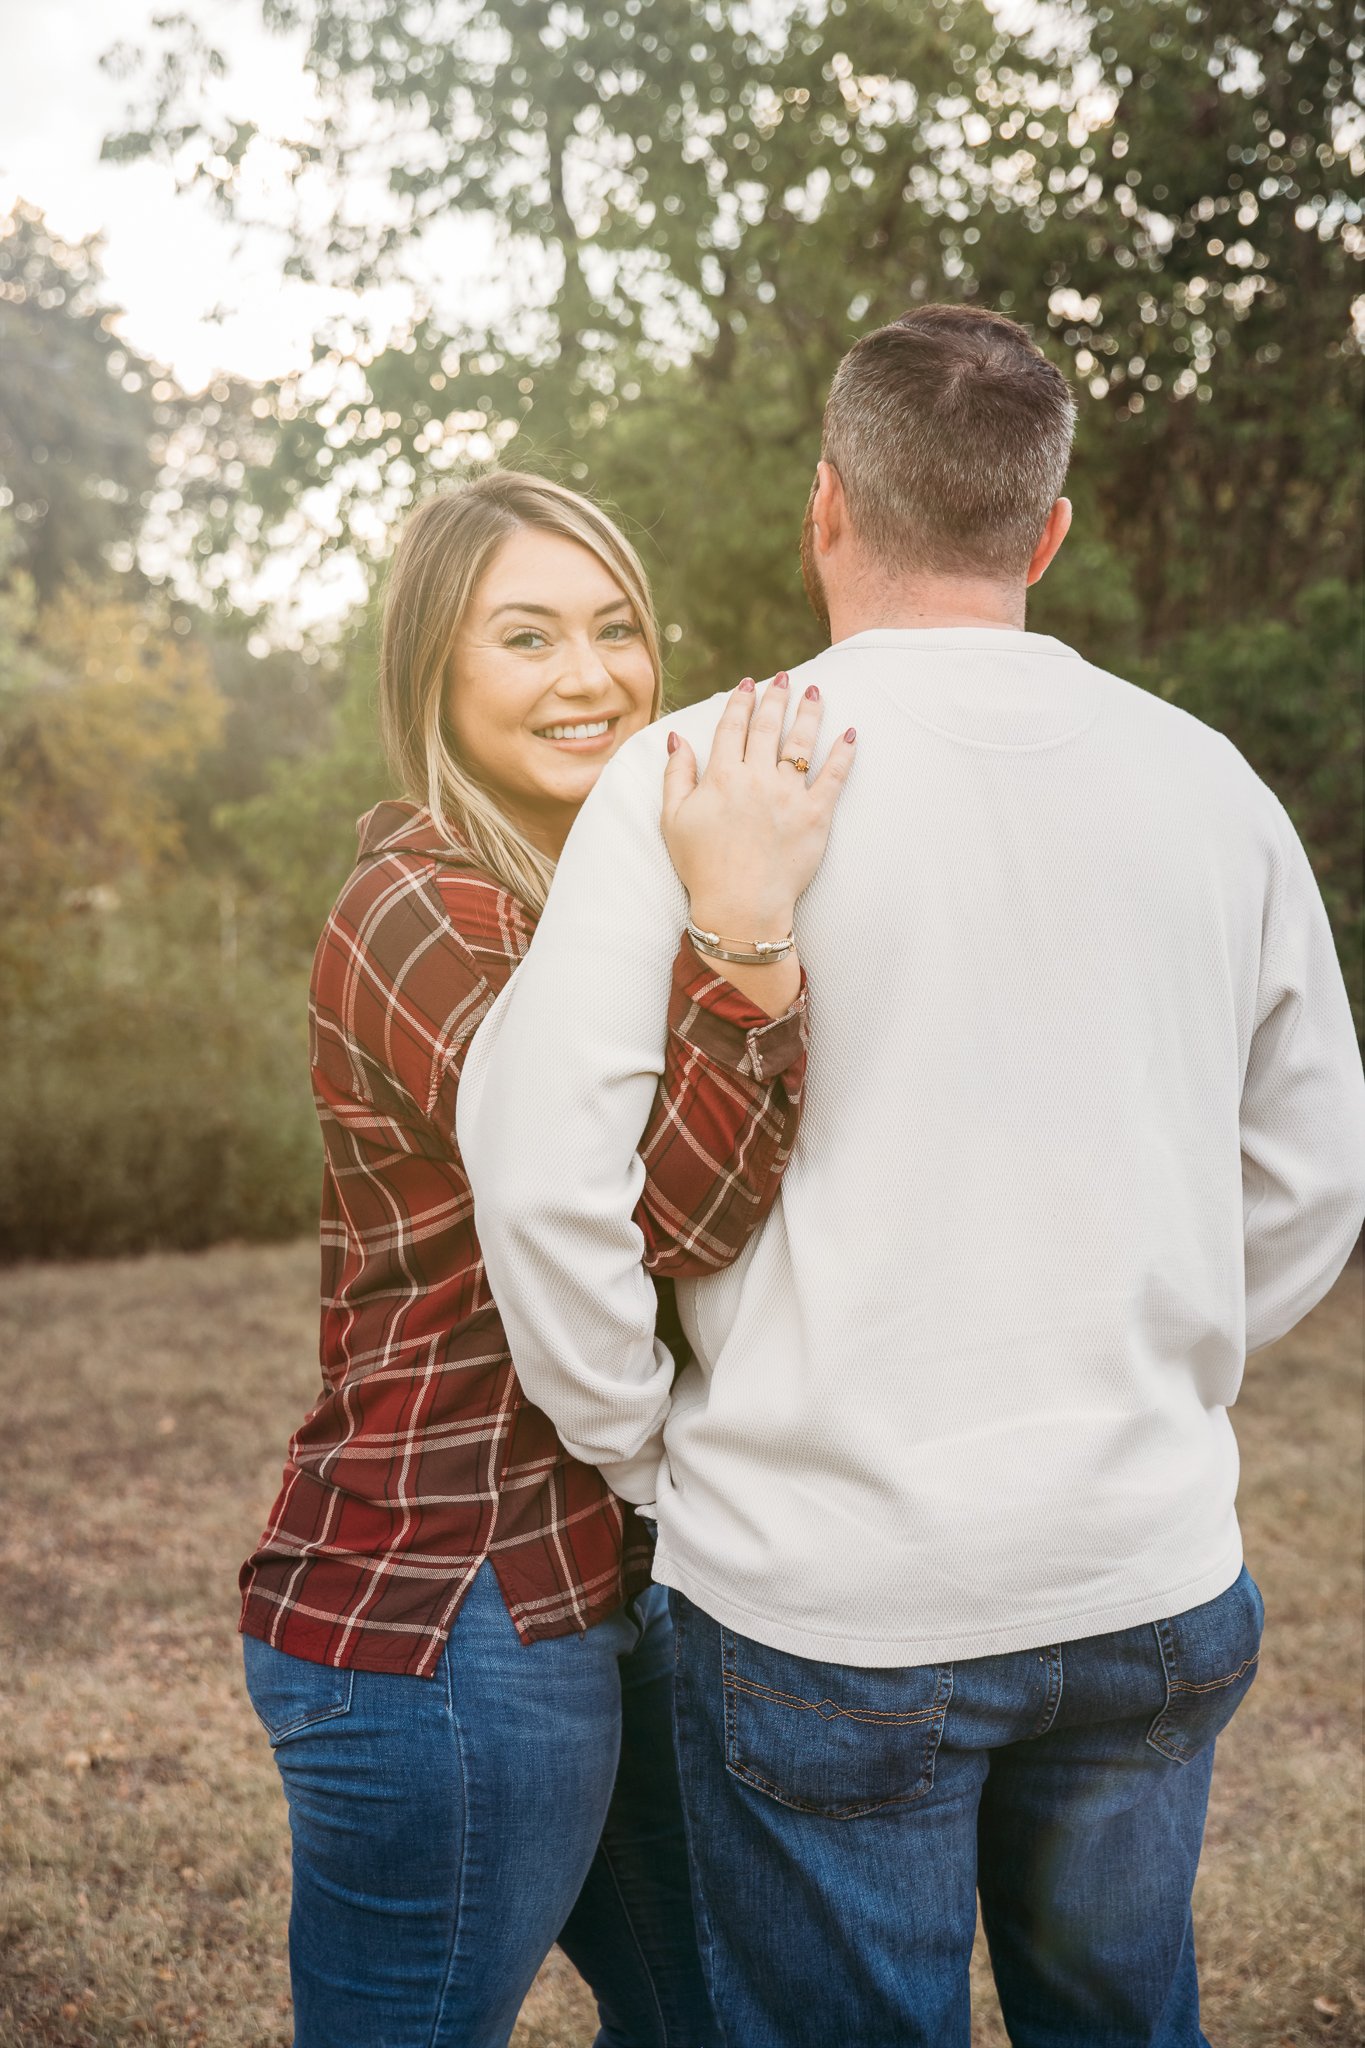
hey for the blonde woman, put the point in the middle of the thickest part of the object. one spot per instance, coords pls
(450, 1633)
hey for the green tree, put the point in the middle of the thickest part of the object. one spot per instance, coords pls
(292, 838)
(685, 195)
(81, 414)
(1287, 692)
(1201, 278)
(698, 205)
(102, 709)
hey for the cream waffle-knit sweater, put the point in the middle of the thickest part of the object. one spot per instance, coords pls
(1085, 1124)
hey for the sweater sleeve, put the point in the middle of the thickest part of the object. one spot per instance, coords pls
(557, 1092)
(1303, 1108)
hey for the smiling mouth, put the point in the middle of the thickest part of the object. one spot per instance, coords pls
(588, 729)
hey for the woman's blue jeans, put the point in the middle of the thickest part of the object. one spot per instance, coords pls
(447, 1831)
(844, 1821)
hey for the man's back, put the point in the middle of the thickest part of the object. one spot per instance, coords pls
(966, 1390)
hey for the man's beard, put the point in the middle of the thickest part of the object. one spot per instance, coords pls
(810, 568)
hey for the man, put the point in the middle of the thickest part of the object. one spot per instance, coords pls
(946, 1493)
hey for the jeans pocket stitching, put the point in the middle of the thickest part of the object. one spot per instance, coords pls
(1217, 1684)
(850, 1810)
(931, 1719)
(1167, 1735)
(873, 1718)
(312, 1719)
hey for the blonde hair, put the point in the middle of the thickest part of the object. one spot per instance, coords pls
(443, 551)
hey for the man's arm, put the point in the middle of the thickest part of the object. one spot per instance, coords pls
(1303, 1110)
(557, 1089)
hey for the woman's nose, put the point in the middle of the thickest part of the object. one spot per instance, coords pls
(584, 673)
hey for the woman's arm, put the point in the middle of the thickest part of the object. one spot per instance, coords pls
(745, 838)
(725, 1118)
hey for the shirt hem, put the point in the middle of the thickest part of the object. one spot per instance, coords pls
(1001, 1639)
(415, 1650)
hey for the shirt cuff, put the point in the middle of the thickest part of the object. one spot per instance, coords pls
(709, 1012)
(637, 1479)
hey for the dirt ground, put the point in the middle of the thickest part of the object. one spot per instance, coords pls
(143, 1847)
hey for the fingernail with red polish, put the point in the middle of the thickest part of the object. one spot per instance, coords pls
(813, 692)
(852, 733)
(747, 684)
(780, 680)
(672, 743)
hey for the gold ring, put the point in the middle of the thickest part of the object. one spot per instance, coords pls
(796, 761)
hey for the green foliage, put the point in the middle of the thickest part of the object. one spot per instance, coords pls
(102, 708)
(698, 206)
(1287, 694)
(78, 419)
(293, 840)
(153, 1045)
(155, 1094)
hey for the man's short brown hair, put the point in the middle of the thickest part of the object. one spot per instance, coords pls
(951, 433)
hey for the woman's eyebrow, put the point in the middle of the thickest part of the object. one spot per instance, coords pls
(545, 611)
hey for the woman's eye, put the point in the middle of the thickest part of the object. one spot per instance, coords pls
(527, 637)
(620, 629)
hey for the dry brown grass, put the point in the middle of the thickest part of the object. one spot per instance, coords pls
(143, 1861)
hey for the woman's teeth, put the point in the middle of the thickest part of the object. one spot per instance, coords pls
(575, 732)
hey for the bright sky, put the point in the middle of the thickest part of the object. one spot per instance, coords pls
(170, 260)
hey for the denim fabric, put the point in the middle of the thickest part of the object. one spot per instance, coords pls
(446, 1831)
(843, 1821)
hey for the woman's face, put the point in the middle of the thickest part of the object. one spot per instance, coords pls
(548, 676)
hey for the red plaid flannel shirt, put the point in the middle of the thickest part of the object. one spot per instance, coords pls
(422, 1456)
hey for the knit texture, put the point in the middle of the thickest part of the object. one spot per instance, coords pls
(1084, 1123)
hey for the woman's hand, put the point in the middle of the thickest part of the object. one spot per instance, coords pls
(747, 836)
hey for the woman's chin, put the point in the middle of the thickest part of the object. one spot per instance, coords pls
(565, 770)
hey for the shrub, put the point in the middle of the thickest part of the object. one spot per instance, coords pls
(1287, 694)
(168, 1110)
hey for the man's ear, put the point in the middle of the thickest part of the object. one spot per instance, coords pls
(1054, 533)
(828, 507)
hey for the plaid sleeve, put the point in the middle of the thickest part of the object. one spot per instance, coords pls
(397, 994)
(724, 1122)
(490, 932)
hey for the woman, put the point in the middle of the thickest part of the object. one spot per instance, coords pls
(451, 1638)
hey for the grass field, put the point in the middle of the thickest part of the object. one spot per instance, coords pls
(143, 1848)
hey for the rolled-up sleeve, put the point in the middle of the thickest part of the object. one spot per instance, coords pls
(724, 1121)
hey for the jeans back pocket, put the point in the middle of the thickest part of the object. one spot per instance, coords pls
(834, 1739)
(289, 1694)
(1210, 1656)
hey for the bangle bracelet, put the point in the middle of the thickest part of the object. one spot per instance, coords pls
(764, 953)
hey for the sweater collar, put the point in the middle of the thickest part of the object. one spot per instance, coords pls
(955, 640)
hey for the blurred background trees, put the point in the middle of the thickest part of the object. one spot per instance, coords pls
(691, 208)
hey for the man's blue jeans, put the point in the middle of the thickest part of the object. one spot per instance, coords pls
(447, 1831)
(842, 1822)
